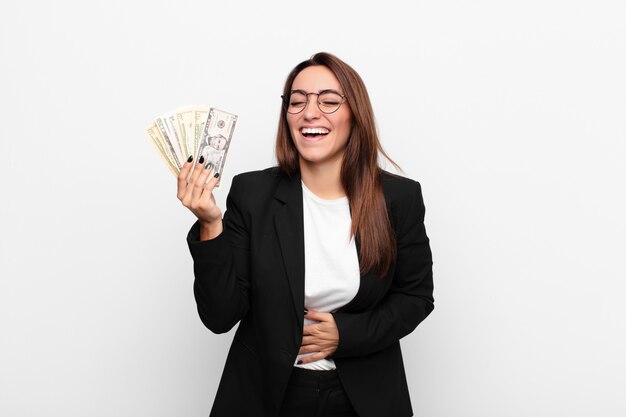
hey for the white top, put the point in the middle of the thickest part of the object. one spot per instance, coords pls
(331, 277)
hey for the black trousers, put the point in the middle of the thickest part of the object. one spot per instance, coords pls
(316, 394)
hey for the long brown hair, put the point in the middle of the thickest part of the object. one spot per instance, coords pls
(360, 173)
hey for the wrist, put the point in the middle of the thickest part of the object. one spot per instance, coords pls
(210, 230)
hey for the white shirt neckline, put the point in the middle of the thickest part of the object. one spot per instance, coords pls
(335, 201)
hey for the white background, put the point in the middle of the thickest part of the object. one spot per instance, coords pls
(510, 113)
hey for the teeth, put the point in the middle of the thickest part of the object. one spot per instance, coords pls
(314, 131)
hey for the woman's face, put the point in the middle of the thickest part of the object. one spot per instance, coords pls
(327, 141)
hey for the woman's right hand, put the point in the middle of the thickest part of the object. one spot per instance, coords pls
(195, 191)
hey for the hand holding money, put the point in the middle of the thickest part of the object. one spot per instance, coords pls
(193, 131)
(195, 191)
(199, 135)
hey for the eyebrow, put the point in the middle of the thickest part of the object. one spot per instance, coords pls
(326, 90)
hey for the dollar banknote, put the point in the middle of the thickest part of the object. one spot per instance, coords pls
(175, 135)
(215, 140)
(198, 131)
(200, 114)
(157, 140)
(171, 144)
(184, 119)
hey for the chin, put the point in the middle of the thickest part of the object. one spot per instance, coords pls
(318, 157)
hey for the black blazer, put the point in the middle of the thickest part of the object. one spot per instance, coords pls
(253, 273)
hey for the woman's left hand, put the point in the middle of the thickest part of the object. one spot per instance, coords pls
(322, 337)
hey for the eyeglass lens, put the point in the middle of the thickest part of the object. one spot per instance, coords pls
(328, 102)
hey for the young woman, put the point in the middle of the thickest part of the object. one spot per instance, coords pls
(324, 261)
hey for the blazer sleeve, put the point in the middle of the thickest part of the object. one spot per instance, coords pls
(410, 296)
(221, 268)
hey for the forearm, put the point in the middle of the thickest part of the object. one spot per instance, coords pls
(220, 301)
(220, 285)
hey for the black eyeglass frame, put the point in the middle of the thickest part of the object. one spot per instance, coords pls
(329, 90)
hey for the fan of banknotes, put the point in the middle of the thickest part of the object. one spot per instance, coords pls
(193, 131)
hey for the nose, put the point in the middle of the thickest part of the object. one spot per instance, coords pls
(311, 110)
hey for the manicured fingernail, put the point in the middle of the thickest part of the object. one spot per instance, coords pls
(201, 160)
(217, 175)
(209, 165)
(190, 158)
(306, 311)
(300, 362)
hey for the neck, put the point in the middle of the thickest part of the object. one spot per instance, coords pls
(323, 179)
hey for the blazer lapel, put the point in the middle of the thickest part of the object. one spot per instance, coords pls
(289, 224)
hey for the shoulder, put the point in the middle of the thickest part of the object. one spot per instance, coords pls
(258, 178)
(403, 197)
(398, 188)
(254, 185)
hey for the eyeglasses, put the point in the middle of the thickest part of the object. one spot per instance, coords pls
(328, 101)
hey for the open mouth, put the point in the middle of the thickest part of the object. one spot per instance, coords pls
(314, 132)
